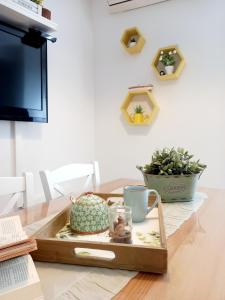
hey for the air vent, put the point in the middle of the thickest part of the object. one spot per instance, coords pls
(123, 5)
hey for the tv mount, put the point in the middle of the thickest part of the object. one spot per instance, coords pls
(36, 39)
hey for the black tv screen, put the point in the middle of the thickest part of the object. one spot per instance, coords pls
(23, 77)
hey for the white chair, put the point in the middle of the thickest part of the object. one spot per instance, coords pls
(15, 186)
(51, 179)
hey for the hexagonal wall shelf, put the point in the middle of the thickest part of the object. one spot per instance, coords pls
(159, 67)
(132, 40)
(143, 98)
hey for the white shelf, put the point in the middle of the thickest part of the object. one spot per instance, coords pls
(18, 16)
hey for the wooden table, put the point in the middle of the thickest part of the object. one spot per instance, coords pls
(196, 269)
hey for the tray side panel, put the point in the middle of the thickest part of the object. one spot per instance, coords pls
(50, 229)
(127, 257)
(161, 226)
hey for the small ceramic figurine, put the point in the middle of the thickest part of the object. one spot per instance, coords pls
(120, 233)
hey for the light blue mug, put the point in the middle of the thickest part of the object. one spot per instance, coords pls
(136, 197)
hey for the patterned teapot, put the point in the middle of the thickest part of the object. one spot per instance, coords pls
(89, 214)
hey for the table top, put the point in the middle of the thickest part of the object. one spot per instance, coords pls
(196, 268)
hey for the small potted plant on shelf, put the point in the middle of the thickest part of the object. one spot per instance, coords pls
(168, 59)
(138, 114)
(173, 174)
(132, 41)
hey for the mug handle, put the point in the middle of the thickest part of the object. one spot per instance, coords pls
(156, 200)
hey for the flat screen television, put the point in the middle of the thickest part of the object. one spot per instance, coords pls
(23, 77)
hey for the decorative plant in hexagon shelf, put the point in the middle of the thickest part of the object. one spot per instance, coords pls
(129, 110)
(132, 40)
(138, 114)
(138, 109)
(173, 174)
(168, 59)
(168, 62)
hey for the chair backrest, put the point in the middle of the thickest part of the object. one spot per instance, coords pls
(51, 179)
(15, 186)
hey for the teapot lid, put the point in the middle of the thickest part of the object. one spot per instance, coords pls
(89, 199)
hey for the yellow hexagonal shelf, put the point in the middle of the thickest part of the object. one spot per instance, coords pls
(168, 72)
(132, 40)
(139, 98)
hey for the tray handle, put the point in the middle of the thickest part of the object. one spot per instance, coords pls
(96, 254)
(87, 252)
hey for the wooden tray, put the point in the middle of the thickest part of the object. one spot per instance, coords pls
(137, 256)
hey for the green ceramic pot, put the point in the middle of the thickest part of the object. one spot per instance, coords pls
(173, 188)
(89, 214)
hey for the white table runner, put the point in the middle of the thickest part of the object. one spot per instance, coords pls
(69, 282)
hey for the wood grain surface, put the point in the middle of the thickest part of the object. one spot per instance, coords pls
(196, 269)
(136, 257)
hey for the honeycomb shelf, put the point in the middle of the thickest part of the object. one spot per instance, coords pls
(147, 101)
(132, 40)
(158, 67)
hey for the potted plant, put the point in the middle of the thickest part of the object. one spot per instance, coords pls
(173, 174)
(138, 114)
(132, 41)
(168, 59)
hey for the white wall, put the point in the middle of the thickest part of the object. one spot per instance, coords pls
(69, 135)
(191, 108)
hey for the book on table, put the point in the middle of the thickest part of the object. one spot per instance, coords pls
(18, 275)
(19, 280)
(13, 239)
